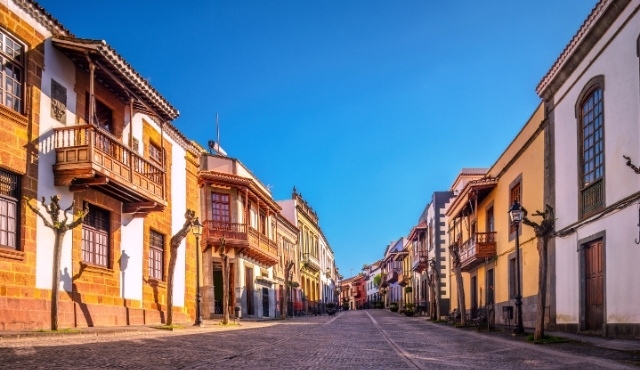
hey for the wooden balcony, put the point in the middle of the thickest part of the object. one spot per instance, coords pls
(247, 240)
(383, 281)
(310, 262)
(392, 277)
(421, 263)
(89, 157)
(404, 279)
(474, 251)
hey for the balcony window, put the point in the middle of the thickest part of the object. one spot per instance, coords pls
(9, 196)
(155, 153)
(220, 209)
(515, 195)
(102, 116)
(592, 150)
(95, 237)
(156, 255)
(12, 58)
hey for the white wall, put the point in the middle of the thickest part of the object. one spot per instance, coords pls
(62, 70)
(617, 60)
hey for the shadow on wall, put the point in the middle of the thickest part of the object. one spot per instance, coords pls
(68, 284)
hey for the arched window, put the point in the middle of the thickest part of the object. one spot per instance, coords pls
(590, 115)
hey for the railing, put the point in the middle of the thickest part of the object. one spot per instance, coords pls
(592, 197)
(392, 277)
(106, 151)
(229, 230)
(480, 245)
(264, 244)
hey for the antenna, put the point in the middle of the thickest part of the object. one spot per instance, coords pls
(218, 132)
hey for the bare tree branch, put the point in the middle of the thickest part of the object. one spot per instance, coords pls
(37, 211)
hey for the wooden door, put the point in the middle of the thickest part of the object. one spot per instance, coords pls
(594, 286)
(265, 302)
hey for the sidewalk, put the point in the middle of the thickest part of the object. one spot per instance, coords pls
(208, 325)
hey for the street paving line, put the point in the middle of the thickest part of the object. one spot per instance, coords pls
(399, 351)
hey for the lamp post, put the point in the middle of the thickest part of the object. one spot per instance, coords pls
(516, 213)
(196, 229)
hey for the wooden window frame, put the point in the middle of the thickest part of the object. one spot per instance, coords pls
(515, 191)
(156, 153)
(93, 251)
(593, 189)
(217, 214)
(17, 59)
(156, 255)
(9, 209)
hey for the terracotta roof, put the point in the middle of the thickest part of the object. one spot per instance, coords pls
(227, 178)
(43, 17)
(480, 185)
(572, 46)
(421, 226)
(76, 49)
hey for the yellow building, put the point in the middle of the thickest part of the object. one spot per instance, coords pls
(406, 276)
(306, 220)
(480, 227)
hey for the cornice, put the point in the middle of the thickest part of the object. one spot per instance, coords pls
(597, 22)
(43, 17)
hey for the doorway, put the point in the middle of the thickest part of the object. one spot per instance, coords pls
(248, 277)
(265, 302)
(594, 286)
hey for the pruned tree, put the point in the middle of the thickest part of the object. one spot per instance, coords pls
(433, 279)
(223, 252)
(59, 227)
(454, 251)
(190, 218)
(544, 231)
(376, 280)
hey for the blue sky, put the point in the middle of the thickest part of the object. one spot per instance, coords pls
(367, 107)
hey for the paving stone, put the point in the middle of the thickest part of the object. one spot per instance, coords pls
(368, 339)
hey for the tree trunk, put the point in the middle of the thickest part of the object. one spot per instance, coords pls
(437, 296)
(225, 285)
(462, 306)
(170, 281)
(542, 287)
(432, 297)
(57, 247)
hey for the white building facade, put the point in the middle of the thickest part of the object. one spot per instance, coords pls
(592, 107)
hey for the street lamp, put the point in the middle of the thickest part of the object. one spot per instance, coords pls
(196, 229)
(516, 213)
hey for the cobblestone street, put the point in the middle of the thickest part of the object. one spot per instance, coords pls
(372, 339)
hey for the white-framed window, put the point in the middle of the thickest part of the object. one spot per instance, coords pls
(12, 57)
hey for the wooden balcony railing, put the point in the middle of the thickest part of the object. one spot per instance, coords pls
(89, 156)
(420, 261)
(227, 230)
(392, 277)
(592, 197)
(477, 248)
(404, 279)
(247, 239)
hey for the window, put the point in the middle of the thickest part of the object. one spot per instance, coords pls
(156, 255)
(263, 223)
(220, 210)
(155, 153)
(103, 115)
(591, 116)
(95, 237)
(515, 195)
(9, 195)
(12, 58)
